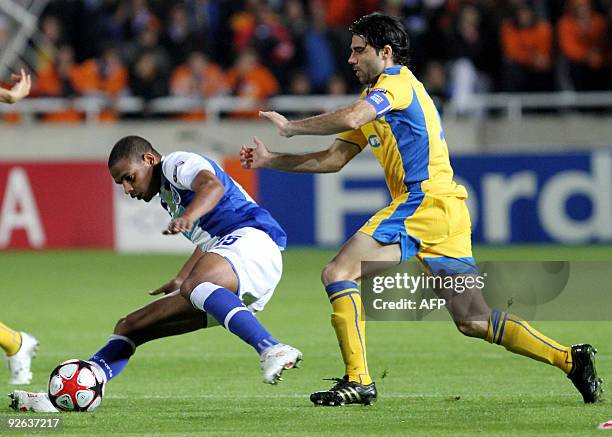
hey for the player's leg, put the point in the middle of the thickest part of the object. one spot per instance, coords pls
(166, 316)
(518, 336)
(383, 238)
(473, 316)
(19, 348)
(10, 340)
(245, 264)
(340, 278)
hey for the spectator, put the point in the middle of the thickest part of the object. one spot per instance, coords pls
(113, 20)
(435, 82)
(147, 80)
(299, 85)
(527, 52)
(336, 86)
(198, 77)
(141, 17)
(179, 37)
(296, 21)
(147, 41)
(52, 37)
(250, 79)
(319, 52)
(469, 53)
(263, 31)
(62, 78)
(106, 76)
(582, 40)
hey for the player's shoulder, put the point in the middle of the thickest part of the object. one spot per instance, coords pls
(396, 85)
(178, 161)
(393, 79)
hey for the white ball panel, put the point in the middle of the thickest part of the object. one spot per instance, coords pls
(95, 404)
(56, 384)
(65, 402)
(84, 397)
(68, 370)
(98, 372)
(86, 378)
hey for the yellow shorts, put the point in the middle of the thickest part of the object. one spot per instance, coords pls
(435, 229)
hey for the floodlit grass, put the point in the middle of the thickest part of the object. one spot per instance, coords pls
(437, 382)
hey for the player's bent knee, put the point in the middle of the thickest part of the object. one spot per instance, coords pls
(187, 287)
(472, 328)
(334, 272)
(124, 326)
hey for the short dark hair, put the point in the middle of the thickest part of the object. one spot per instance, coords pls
(380, 30)
(130, 147)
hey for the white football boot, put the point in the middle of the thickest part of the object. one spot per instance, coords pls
(277, 358)
(19, 364)
(24, 401)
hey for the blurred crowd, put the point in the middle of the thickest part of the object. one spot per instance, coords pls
(262, 48)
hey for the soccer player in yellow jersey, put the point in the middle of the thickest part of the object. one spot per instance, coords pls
(19, 347)
(427, 217)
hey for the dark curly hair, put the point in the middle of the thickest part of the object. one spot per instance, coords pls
(380, 30)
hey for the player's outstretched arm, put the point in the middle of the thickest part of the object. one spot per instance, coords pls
(324, 161)
(343, 119)
(208, 191)
(19, 90)
(175, 283)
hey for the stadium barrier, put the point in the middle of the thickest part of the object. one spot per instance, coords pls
(510, 105)
(561, 198)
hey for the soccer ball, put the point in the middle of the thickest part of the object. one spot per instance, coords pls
(76, 385)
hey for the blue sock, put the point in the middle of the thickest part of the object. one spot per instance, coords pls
(229, 311)
(114, 356)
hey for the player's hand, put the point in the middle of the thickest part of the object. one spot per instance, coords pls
(169, 287)
(283, 125)
(21, 87)
(178, 225)
(254, 157)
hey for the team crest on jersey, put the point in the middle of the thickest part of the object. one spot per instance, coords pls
(175, 172)
(373, 141)
(176, 197)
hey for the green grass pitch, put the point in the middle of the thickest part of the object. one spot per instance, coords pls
(437, 381)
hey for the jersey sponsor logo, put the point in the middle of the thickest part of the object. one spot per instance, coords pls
(380, 90)
(373, 141)
(175, 172)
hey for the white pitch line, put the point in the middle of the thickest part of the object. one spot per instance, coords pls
(303, 396)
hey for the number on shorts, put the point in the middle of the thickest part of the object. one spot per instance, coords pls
(228, 240)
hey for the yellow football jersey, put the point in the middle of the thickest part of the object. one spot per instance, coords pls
(406, 137)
